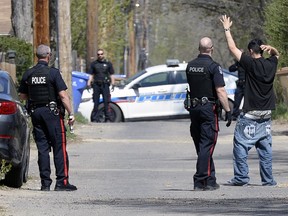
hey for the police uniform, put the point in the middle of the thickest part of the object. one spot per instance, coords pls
(102, 71)
(203, 75)
(42, 84)
(239, 93)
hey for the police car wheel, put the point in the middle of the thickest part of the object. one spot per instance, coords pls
(114, 113)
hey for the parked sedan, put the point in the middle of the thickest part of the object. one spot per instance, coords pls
(14, 133)
(155, 93)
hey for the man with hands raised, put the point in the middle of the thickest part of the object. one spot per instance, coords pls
(253, 127)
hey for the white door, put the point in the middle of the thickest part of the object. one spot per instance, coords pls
(153, 97)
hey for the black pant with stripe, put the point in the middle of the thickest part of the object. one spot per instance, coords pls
(50, 134)
(204, 131)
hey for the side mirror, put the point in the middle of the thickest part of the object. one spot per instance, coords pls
(136, 86)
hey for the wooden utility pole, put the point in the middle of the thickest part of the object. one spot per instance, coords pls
(92, 31)
(132, 44)
(41, 24)
(64, 42)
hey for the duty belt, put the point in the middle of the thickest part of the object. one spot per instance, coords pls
(34, 106)
(201, 101)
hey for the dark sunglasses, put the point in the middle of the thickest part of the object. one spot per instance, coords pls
(100, 54)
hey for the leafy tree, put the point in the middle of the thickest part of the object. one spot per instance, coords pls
(24, 53)
(276, 29)
(78, 26)
(112, 17)
(173, 27)
(112, 29)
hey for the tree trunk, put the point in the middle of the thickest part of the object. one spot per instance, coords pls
(132, 60)
(92, 31)
(21, 19)
(41, 25)
(64, 42)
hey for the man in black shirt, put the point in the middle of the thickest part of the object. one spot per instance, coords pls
(253, 127)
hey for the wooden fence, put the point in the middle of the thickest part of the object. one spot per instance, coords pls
(10, 68)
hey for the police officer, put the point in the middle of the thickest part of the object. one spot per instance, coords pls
(240, 83)
(206, 84)
(45, 91)
(101, 72)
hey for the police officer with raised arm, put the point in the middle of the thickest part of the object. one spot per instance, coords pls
(206, 84)
(45, 91)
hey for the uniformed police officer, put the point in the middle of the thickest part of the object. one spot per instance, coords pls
(240, 83)
(101, 71)
(45, 92)
(206, 84)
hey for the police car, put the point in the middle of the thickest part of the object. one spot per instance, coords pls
(155, 93)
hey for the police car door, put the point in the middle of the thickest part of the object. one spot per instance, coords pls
(179, 92)
(153, 97)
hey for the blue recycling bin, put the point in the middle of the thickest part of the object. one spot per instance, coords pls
(79, 83)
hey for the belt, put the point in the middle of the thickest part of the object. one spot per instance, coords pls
(34, 106)
(201, 101)
(249, 116)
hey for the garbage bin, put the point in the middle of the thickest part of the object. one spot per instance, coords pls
(79, 83)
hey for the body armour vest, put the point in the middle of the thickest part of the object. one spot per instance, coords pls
(40, 89)
(101, 71)
(199, 78)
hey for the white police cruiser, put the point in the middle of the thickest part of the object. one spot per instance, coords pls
(155, 93)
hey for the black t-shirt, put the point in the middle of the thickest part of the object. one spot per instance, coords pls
(101, 70)
(260, 73)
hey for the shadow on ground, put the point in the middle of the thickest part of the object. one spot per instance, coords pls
(254, 206)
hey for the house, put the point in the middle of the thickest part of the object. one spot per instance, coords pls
(5, 17)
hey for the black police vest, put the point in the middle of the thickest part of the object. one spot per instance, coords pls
(199, 78)
(40, 89)
(101, 71)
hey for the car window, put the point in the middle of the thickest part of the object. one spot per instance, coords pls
(155, 80)
(13, 89)
(180, 77)
(134, 77)
(3, 85)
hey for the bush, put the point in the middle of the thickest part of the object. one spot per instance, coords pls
(281, 112)
(24, 53)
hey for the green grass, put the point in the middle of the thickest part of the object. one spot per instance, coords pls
(5, 168)
(281, 112)
(79, 119)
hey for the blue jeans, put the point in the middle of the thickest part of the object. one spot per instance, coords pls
(249, 133)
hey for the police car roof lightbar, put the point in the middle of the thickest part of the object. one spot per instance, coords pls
(172, 62)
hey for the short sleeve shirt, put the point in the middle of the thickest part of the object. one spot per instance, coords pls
(101, 69)
(54, 74)
(260, 74)
(216, 76)
(216, 71)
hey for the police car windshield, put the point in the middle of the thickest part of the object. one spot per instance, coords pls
(130, 79)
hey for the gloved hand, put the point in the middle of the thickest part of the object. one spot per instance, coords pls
(88, 87)
(186, 104)
(228, 118)
(112, 88)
